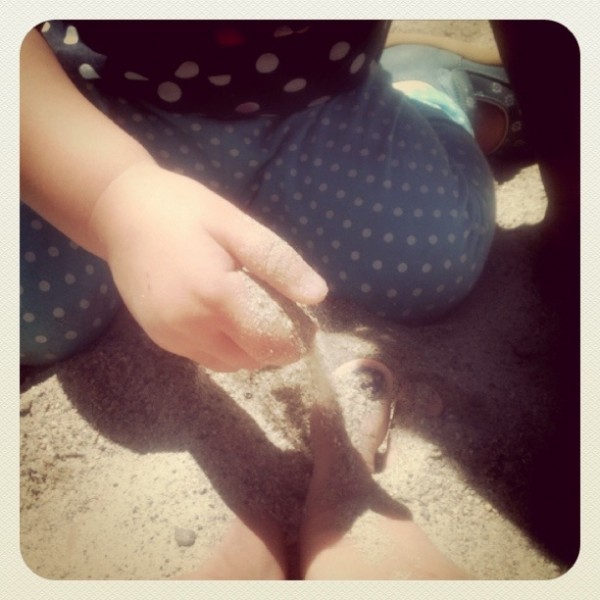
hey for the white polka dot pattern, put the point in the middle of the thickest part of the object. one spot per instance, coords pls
(62, 293)
(265, 67)
(169, 91)
(187, 70)
(267, 63)
(339, 50)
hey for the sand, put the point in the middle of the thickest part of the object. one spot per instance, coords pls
(134, 461)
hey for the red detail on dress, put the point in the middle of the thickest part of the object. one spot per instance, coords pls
(229, 36)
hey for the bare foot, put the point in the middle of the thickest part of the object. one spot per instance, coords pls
(364, 388)
(359, 416)
(348, 432)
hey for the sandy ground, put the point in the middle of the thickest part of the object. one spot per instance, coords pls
(134, 461)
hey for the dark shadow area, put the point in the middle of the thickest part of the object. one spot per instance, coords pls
(532, 53)
(150, 401)
(510, 392)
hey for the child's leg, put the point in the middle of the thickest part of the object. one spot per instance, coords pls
(250, 553)
(67, 294)
(388, 197)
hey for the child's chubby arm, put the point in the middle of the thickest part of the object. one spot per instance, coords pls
(175, 248)
(70, 151)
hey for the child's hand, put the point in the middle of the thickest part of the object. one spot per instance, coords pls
(176, 249)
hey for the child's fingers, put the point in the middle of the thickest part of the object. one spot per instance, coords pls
(268, 326)
(269, 258)
(219, 354)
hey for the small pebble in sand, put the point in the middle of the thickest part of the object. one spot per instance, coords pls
(436, 454)
(25, 407)
(185, 537)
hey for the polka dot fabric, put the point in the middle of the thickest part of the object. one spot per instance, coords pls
(388, 197)
(231, 69)
(391, 203)
(67, 295)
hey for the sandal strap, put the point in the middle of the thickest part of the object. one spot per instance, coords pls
(466, 82)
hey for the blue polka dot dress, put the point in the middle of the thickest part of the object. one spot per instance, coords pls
(387, 196)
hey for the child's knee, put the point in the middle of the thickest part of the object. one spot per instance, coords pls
(408, 282)
(56, 326)
(68, 297)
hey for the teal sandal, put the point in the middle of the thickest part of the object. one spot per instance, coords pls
(467, 83)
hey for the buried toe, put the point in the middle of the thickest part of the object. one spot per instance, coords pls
(364, 392)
